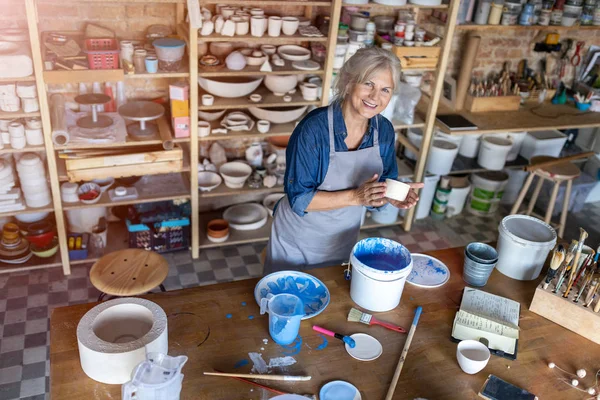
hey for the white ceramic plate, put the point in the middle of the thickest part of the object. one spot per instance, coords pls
(306, 65)
(428, 272)
(293, 52)
(313, 293)
(339, 390)
(367, 347)
(246, 217)
(270, 201)
(19, 260)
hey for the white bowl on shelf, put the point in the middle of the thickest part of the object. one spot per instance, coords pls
(208, 180)
(211, 115)
(235, 174)
(280, 84)
(293, 52)
(246, 217)
(230, 87)
(87, 187)
(31, 217)
(280, 115)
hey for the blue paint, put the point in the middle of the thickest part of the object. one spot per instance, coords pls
(243, 304)
(293, 348)
(323, 345)
(250, 316)
(285, 314)
(349, 341)
(312, 297)
(240, 363)
(427, 271)
(382, 254)
(228, 316)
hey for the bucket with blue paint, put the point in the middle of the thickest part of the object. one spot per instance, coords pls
(379, 270)
(285, 314)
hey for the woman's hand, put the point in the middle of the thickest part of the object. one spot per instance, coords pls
(370, 194)
(411, 198)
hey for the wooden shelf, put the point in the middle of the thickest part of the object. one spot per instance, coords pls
(24, 79)
(273, 3)
(235, 236)
(464, 165)
(28, 210)
(528, 118)
(86, 75)
(417, 123)
(370, 224)
(128, 143)
(276, 130)
(287, 69)
(282, 39)
(223, 190)
(8, 149)
(385, 6)
(33, 264)
(475, 27)
(18, 114)
(268, 100)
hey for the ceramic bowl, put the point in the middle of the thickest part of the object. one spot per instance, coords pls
(270, 201)
(235, 174)
(230, 87)
(105, 183)
(293, 52)
(46, 251)
(93, 189)
(211, 115)
(217, 229)
(41, 241)
(280, 84)
(289, 25)
(396, 190)
(39, 228)
(278, 115)
(31, 217)
(256, 61)
(208, 180)
(268, 49)
(279, 141)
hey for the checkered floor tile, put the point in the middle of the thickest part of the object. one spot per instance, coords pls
(26, 299)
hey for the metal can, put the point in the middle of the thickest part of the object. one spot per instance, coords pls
(509, 19)
(596, 16)
(587, 17)
(544, 18)
(556, 17)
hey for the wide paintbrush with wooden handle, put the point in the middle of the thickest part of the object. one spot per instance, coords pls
(557, 258)
(582, 236)
(567, 265)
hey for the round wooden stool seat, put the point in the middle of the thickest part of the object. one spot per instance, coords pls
(129, 272)
(562, 172)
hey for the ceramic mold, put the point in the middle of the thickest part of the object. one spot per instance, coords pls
(230, 87)
(207, 28)
(211, 115)
(221, 49)
(280, 84)
(293, 52)
(266, 67)
(236, 61)
(235, 174)
(290, 25)
(228, 28)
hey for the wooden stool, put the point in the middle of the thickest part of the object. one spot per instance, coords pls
(129, 272)
(557, 174)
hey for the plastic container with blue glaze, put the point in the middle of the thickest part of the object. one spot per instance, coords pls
(379, 270)
(285, 314)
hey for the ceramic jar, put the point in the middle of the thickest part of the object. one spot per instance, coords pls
(68, 192)
(257, 25)
(289, 25)
(30, 105)
(139, 60)
(242, 28)
(126, 52)
(16, 129)
(275, 26)
(203, 128)
(310, 91)
(32, 123)
(34, 137)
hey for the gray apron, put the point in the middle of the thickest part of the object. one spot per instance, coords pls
(323, 238)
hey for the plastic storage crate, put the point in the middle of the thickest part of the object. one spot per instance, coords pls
(161, 237)
(102, 53)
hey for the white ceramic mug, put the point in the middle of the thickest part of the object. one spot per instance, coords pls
(208, 99)
(275, 26)
(203, 128)
(242, 28)
(16, 129)
(472, 356)
(289, 25)
(257, 25)
(34, 137)
(309, 91)
(263, 125)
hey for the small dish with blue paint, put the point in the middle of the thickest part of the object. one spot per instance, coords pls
(313, 293)
(428, 272)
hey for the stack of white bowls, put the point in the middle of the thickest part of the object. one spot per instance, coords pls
(9, 101)
(32, 175)
(16, 130)
(10, 198)
(4, 135)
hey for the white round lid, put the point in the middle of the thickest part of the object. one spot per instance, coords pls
(367, 347)
(339, 390)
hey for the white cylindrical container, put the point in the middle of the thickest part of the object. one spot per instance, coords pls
(426, 196)
(441, 157)
(517, 140)
(385, 215)
(523, 245)
(34, 137)
(516, 178)
(456, 200)
(379, 270)
(456, 139)
(493, 153)
(415, 136)
(16, 130)
(30, 105)
(469, 147)
(486, 192)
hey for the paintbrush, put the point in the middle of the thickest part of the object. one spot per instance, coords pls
(264, 376)
(567, 265)
(310, 396)
(589, 297)
(582, 236)
(358, 316)
(557, 258)
(346, 339)
(582, 271)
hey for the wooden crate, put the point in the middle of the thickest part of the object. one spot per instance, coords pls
(573, 316)
(125, 165)
(496, 103)
(417, 57)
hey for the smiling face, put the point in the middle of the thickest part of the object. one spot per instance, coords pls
(372, 97)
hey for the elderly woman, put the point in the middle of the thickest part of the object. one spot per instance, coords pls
(338, 158)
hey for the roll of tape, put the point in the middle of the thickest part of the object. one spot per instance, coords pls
(114, 337)
(60, 138)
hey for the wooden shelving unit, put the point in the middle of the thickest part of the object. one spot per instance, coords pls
(18, 114)
(390, 7)
(475, 27)
(7, 149)
(268, 100)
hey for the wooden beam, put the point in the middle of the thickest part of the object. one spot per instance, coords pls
(89, 75)
(193, 52)
(336, 9)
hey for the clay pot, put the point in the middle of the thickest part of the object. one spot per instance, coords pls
(217, 228)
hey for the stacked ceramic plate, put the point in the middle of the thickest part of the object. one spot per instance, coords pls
(32, 175)
(13, 248)
(10, 198)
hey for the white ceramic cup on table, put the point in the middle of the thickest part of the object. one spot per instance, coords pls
(275, 26)
(289, 25)
(472, 356)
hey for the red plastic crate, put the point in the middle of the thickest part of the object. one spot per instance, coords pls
(102, 53)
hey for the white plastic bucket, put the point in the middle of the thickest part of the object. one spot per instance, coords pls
(385, 215)
(486, 191)
(441, 157)
(456, 200)
(516, 178)
(456, 139)
(517, 141)
(379, 270)
(523, 245)
(469, 147)
(493, 152)
(426, 196)
(415, 136)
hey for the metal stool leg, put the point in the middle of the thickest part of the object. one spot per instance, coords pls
(162, 288)
(101, 296)
(565, 208)
(535, 195)
(522, 194)
(553, 196)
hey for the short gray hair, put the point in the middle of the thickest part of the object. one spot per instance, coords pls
(362, 66)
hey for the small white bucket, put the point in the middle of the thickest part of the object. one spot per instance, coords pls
(385, 215)
(426, 196)
(493, 153)
(469, 147)
(486, 192)
(517, 141)
(523, 245)
(379, 270)
(441, 157)
(415, 136)
(456, 139)
(456, 200)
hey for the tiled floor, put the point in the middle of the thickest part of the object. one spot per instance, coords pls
(26, 299)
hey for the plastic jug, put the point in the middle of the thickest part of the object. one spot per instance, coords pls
(157, 378)
(285, 313)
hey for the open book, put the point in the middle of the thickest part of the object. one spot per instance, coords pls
(495, 318)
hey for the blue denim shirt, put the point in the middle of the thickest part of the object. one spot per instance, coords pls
(307, 154)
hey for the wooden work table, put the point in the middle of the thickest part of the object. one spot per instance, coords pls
(430, 371)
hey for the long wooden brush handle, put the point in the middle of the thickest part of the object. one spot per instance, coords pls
(411, 333)
(265, 377)
(582, 236)
(256, 384)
